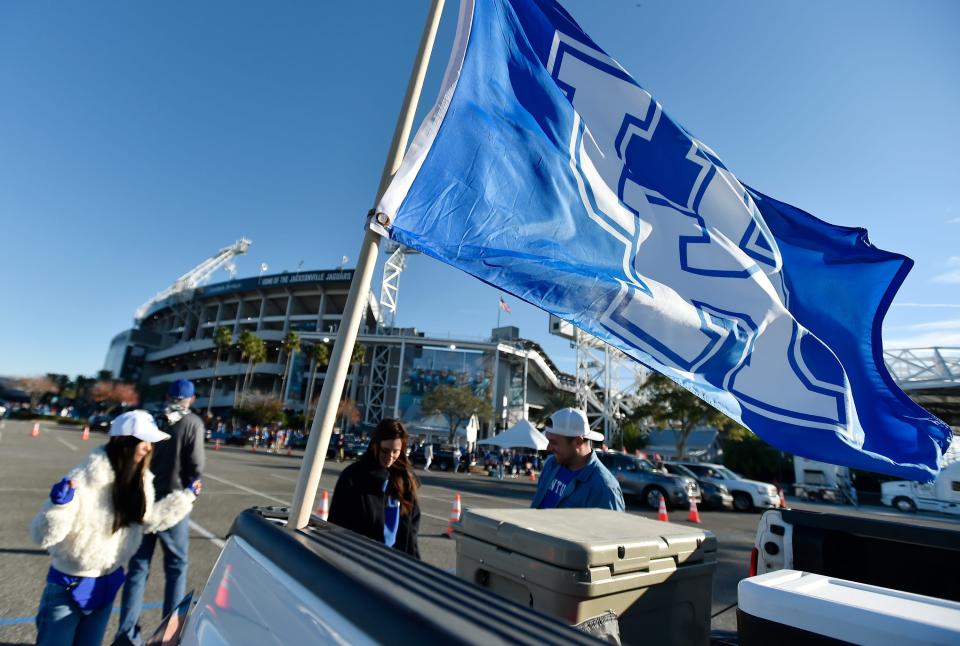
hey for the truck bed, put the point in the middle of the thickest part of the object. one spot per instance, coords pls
(357, 587)
(922, 560)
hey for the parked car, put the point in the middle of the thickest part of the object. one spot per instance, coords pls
(100, 422)
(213, 436)
(237, 437)
(637, 477)
(442, 458)
(747, 494)
(354, 448)
(712, 495)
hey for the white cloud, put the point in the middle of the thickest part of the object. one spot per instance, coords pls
(952, 275)
(944, 333)
(949, 324)
(954, 221)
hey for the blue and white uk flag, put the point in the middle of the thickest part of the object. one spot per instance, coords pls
(546, 170)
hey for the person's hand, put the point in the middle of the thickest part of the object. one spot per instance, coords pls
(62, 492)
(195, 486)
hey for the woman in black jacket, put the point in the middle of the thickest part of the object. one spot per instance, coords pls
(376, 496)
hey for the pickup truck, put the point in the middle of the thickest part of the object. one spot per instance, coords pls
(325, 584)
(272, 584)
(845, 564)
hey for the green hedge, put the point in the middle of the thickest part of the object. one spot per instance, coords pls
(755, 459)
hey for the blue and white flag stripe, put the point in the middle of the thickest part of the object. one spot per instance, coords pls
(546, 170)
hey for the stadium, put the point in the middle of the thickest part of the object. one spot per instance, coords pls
(174, 339)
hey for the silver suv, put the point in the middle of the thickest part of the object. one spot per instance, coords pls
(637, 477)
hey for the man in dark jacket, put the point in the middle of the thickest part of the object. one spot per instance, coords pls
(176, 464)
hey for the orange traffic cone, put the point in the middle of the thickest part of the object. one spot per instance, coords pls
(783, 500)
(222, 599)
(36, 429)
(216, 445)
(323, 509)
(533, 475)
(454, 516)
(694, 515)
(662, 512)
(86, 433)
(289, 451)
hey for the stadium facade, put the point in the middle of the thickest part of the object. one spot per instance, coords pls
(174, 340)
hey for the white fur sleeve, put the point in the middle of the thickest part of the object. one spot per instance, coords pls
(53, 523)
(168, 511)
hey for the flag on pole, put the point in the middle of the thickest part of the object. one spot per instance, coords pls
(546, 170)
(504, 306)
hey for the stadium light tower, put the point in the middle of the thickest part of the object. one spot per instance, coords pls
(183, 287)
(390, 286)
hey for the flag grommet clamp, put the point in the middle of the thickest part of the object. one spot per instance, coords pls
(382, 218)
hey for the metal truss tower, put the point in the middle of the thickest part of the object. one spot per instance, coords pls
(379, 383)
(390, 287)
(608, 383)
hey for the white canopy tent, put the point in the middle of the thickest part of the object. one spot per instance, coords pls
(523, 434)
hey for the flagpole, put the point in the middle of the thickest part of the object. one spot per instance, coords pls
(332, 389)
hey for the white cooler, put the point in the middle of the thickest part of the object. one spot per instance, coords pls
(577, 564)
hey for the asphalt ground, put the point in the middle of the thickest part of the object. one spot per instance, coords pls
(237, 479)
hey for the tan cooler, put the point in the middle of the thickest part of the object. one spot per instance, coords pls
(576, 564)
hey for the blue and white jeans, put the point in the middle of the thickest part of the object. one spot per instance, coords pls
(60, 620)
(175, 544)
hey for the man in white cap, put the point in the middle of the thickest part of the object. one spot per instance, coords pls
(573, 476)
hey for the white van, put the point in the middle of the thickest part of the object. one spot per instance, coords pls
(943, 494)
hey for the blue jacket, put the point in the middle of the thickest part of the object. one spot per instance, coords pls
(592, 486)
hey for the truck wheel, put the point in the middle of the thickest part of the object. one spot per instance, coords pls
(742, 501)
(651, 496)
(905, 505)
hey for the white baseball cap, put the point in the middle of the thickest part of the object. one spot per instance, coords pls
(139, 424)
(571, 422)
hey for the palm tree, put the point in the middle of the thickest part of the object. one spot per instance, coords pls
(291, 344)
(222, 339)
(254, 350)
(320, 355)
(359, 354)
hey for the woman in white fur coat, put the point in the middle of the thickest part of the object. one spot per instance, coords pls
(93, 523)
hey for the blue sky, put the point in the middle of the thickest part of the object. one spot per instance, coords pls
(136, 139)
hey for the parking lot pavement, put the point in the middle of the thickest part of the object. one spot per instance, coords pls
(237, 479)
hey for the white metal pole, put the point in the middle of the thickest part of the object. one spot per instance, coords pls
(356, 304)
(607, 401)
(493, 389)
(526, 368)
(396, 399)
